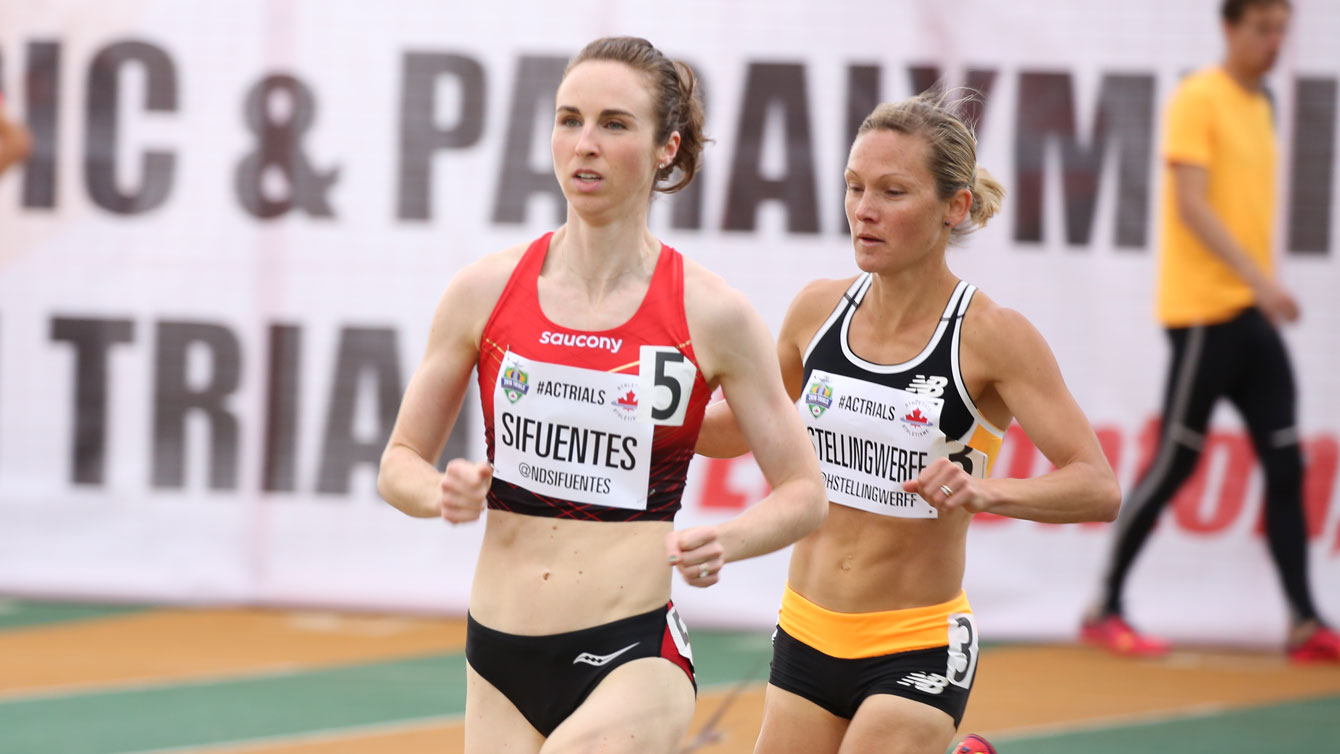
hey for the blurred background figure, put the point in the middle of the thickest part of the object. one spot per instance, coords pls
(1220, 302)
(15, 141)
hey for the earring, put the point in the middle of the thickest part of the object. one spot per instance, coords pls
(946, 223)
(660, 166)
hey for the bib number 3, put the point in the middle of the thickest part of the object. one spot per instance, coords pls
(666, 382)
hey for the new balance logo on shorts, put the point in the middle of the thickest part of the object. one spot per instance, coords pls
(929, 386)
(926, 683)
(600, 660)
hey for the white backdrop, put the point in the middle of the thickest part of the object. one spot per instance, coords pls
(192, 396)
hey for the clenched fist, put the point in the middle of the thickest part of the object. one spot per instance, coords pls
(462, 490)
(947, 486)
(697, 553)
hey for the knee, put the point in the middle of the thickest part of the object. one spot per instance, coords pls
(1283, 464)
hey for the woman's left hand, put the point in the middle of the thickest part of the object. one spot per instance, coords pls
(945, 485)
(698, 554)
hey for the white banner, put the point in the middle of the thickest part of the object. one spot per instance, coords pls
(217, 272)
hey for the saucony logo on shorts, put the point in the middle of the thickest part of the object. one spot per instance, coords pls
(601, 660)
(602, 342)
(926, 683)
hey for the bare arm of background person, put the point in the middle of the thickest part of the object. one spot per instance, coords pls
(1024, 376)
(1191, 184)
(408, 478)
(735, 349)
(15, 142)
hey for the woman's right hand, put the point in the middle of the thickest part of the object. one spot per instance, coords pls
(462, 490)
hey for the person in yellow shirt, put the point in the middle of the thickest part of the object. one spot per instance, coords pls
(1221, 305)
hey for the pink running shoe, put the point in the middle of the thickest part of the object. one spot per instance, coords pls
(1116, 635)
(1322, 646)
(974, 744)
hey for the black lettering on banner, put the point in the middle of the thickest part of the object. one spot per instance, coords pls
(1313, 174)
(863, 94)
(537, 77)
(980, 81)
(41, 114)
(767, 85)
(364, 352)
(420, 133)
(92, 339)
(1125, 115)
(279, 459)
(175, 398)
(101, 133)
(279, 149)
(686, 205)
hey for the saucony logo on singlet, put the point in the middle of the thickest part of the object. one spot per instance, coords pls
(600, 660)
(602, 342)
(930, 386)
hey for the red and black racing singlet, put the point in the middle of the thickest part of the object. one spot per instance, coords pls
(597, 426)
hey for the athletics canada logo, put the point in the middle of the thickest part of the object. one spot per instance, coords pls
(515, 383)
(819, 396)
(625, 401)
(915, 421)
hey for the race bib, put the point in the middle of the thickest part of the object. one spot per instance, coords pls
(570, 433)
(870, 439)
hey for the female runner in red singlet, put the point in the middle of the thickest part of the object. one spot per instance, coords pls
(596, 347)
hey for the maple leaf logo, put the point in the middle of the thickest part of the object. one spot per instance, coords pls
(629, 400)
(916, 417)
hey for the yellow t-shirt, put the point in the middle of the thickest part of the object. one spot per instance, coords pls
(1214, 123)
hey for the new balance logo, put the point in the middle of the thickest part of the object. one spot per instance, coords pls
(932, 386)
(926, 683)
(602, 660)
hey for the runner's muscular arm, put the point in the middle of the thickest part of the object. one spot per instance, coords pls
(735, 350)
(408, 477)
(1028, 381)
(720, 436)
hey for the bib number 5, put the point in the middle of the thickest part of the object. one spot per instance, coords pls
(665, 379)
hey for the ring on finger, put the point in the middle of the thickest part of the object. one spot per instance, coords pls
(945, 489)
(704, 571)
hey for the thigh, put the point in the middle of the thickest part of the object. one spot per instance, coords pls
(492, 722)
(1265, 393)
(794, 725)
(1202, 364)
(886, 724)
(644, 706)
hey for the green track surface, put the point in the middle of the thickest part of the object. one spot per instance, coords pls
(185, 714)
(1308, 726)
(180, 715)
